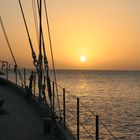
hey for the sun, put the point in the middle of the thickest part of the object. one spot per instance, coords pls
(83, 58)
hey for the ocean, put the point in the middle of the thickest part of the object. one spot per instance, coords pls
(113, 95)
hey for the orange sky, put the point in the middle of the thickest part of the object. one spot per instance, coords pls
(105, 31)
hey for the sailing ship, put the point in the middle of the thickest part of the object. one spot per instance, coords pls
(41, 114)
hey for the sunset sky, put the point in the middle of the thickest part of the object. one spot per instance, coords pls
(106, 32)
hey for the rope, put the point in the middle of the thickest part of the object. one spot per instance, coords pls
(2, 25)
(107, 129)
(45, 59)
(52, 56)
(93, 113)
(35, 19)
(35, 62)
(44, 50)
(40, 51)
(8, 43)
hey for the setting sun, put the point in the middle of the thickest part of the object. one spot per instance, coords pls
(83, 58)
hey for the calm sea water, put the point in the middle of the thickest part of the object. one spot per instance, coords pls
(114, 95)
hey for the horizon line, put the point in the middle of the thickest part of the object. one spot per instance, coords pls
(94, 69)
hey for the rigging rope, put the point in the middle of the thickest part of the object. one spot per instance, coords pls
(107, 129)
(2, 25)
(52, 56)
(44, 50)
(40, 52)
(46, 63)
(35, 62)
(39, 41)
(8, 43)
(35, 19)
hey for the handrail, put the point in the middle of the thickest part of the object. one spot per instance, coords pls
(93, 113)
(108, 130)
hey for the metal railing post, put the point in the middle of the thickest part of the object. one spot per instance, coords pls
(64, 108)
(7, 70)
(53, 92)
(16, 74)
(24, 76)
(34, 83)
(78, 119)
(97, 127)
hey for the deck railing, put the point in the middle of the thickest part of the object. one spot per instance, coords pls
(76, 116)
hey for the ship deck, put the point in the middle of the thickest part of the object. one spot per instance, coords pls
(19, 120)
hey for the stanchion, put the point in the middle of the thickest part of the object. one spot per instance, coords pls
(7, 70)
(97, 127)
(24, 76)
(53, 92)
(64, 108)
(78, 120)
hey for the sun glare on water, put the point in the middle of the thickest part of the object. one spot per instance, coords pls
(83, 58)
